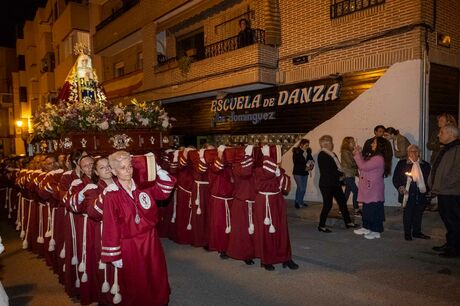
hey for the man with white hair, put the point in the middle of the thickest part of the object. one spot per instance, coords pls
(445, 183)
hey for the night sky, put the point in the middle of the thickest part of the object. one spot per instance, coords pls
(13, 13)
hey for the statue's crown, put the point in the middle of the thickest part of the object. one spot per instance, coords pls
(81, 48)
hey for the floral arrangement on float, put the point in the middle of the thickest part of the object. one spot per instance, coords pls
(54, 120)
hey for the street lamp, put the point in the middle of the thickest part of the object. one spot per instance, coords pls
(23, 130)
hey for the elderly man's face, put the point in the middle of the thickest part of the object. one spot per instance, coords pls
(414, 154)
(444, 136)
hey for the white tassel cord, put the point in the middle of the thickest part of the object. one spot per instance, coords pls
(116, 289)
(173, 218)
(197, 200)
(251, 222)
(48, 223)
(18, 215)
(268, 215)
(23, 233)
(74, 260)
(25, 243)
(62, 253)
(40, 238)
(52, 244)
(82, 265)
(189, 225)
(228, 226)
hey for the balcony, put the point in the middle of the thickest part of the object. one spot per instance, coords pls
(126, 7)
(225, 66)
(120, 31)
(74, 17)
(124, 85)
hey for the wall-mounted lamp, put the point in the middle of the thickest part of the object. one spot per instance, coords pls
(19, 123)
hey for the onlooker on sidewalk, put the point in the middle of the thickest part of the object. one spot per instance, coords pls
(398, 141)
(350, 171)
(330, 173)
(445, 183)
(371, 188)
(412, 172)
(433, 143)
(303, 164)
(367, 151)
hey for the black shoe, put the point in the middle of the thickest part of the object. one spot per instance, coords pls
(223, 255)
(249, 262)
(267, 267)
(408, 238)
(290, 264)
(297, 205)
(351, 225)
(449, 253)
(422, 236)
(305, 205)
(324, 229)
(440, 248)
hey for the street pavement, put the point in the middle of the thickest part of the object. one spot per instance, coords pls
(339, 268)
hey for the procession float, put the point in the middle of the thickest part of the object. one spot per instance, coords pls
(83, 118)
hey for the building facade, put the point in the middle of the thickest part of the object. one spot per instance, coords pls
(300, 69)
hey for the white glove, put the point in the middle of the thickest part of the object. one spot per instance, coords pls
(163, 175)
(81, 197)
(248, 150)
(175, 156)
(277, 171)
(111, 187)
(118, 263)
(76, 182)
(266, 150)
(221, 148)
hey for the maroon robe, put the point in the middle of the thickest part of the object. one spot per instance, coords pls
(241, 242)
(143, 279)
(271, 235)
(220, 203)
(200, 203)
(184, 202)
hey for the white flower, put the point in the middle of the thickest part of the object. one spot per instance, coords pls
(144, 121)
(104, 125)
(165, 123)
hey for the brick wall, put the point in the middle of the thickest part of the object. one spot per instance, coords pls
(307, 29)
(447, 23)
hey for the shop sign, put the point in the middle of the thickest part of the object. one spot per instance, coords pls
(238, 108)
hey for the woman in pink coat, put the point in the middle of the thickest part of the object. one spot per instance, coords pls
(371, 188)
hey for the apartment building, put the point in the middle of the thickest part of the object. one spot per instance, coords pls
(45, 55)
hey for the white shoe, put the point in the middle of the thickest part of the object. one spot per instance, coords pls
(362, 231)
(372, 235)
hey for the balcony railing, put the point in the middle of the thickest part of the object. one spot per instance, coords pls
(218, 48)
(233, 43)
(341, 8)
(115, 14)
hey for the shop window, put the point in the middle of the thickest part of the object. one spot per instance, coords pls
(21, 62)
(191, 45)
(22, 94)
(119, 69)
(341, 8)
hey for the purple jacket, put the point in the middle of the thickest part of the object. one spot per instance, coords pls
(371, 187)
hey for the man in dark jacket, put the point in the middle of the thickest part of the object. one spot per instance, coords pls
(444, 181)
